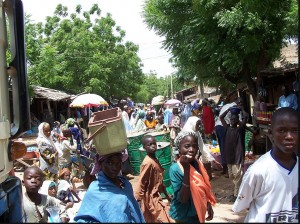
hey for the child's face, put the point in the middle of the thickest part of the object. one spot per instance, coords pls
(160, 119)
(189, 146)
(111, 167)
(52, 191)
(47, 130)
(284, 134)
(150, 145)
(32, 180)
(149, 117)
(234, 120)
(67, 175)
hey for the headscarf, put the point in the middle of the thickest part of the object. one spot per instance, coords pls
(190, 125)
(42, 138)
(100, 158)
(46, 185)
(70, 122)
(183, 134)
(141, 114)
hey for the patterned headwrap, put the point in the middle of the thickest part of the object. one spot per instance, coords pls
(46, 185)
(99, 159)
(70, 122)
(181, 135)
(141, 114)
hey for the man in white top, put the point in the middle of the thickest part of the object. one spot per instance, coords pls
(220, 130)
(269, 187)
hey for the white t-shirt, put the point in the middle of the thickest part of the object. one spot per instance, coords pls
(270, 191)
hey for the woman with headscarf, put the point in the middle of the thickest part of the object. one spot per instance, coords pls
(110, 197)
(48, 152)
(140, 124)
(192, 197)
(193, 124)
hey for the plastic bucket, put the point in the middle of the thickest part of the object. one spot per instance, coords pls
(164, 156)
(161, 136)
(108, 131)
(135, 142)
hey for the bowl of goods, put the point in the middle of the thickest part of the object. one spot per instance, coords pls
(235, 110)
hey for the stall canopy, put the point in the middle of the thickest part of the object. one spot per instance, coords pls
(88, 100)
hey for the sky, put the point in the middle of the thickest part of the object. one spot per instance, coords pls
(127, 15)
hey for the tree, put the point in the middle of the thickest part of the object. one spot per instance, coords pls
(74, 53)
(230, 39)
(153, 86)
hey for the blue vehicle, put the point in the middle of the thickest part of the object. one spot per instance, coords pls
(14, 107)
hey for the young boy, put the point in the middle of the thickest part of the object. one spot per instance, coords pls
(150, 185)
(234, 148)
(270, 186)
(35, 204)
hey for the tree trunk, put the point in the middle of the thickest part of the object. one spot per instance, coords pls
(249, 81)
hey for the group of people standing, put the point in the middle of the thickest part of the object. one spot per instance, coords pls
(111, 198)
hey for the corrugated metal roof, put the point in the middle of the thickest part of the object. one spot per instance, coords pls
(50, 94)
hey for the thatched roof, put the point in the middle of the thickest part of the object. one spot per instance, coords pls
(50, 94)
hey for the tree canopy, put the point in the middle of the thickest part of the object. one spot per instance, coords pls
(219, 40)
(82, 52)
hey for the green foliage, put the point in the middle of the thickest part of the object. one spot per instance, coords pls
(82, 52)
(153, 86)
(226, 39)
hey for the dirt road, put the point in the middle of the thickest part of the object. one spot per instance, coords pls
(221, 186)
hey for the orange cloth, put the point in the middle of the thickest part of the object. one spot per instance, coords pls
(151, 124)
(201, 189)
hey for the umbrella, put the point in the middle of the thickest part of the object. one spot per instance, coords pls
(88, 100)
(172, 102)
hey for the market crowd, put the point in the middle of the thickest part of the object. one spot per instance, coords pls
(268, 189)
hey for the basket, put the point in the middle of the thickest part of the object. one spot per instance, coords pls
(108, 131)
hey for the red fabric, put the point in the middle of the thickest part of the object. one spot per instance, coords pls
(208, 120)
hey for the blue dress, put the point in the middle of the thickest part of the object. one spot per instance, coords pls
(105, 202)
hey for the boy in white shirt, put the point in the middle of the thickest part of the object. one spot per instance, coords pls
(270, 186)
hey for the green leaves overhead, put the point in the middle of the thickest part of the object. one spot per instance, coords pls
(82, 51)
(231, 39)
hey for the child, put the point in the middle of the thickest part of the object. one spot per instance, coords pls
(109, 198)
(150, 122)
(65, 189)
(270, 186)
(36, 204)
(48, 188)
(234, 148)
(161, 126)
(68, 145)
(150, 185)
(192, 191)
